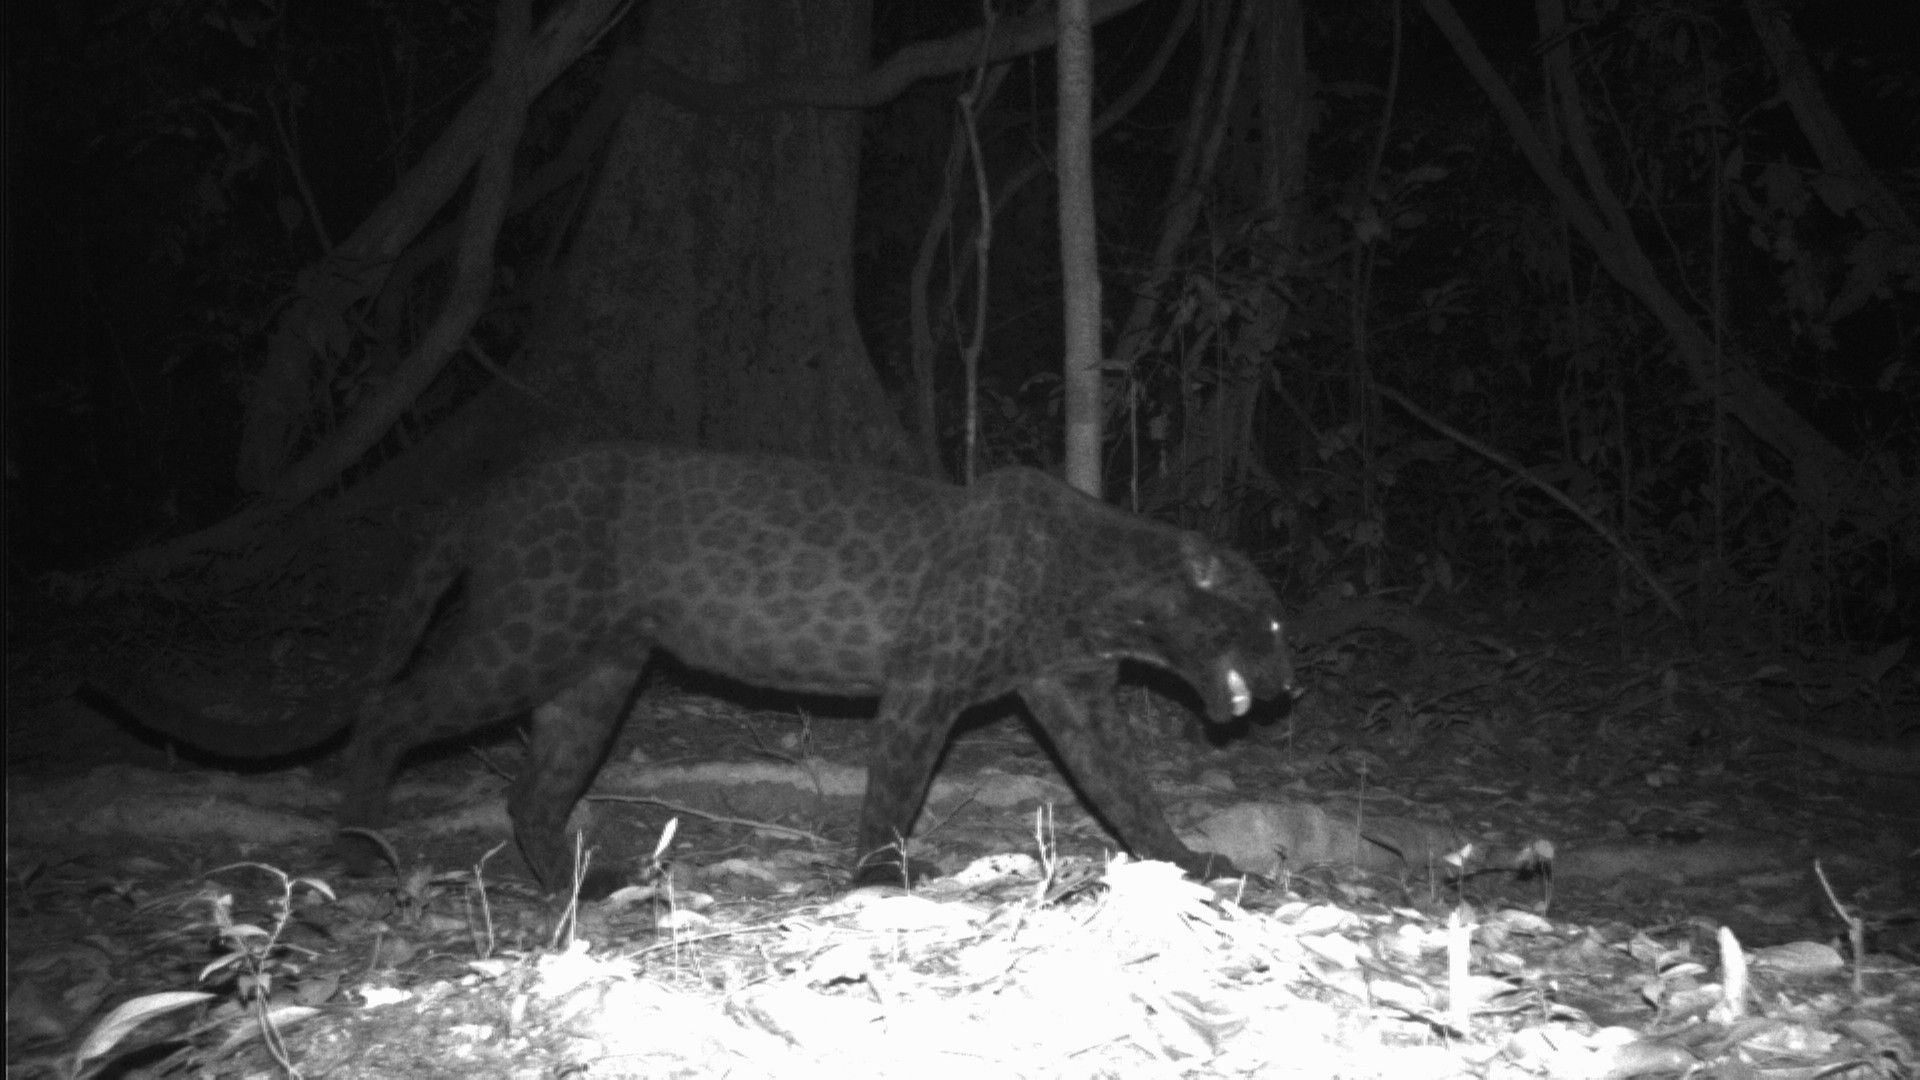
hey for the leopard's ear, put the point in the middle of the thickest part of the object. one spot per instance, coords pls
(1203, 563)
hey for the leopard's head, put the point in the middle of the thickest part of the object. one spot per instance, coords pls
(1220, 628)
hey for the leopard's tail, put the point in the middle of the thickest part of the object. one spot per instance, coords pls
(171, 714)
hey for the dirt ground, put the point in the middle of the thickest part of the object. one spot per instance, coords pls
(1526, 845)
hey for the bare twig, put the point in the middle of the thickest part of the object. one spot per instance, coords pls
(1639, 565)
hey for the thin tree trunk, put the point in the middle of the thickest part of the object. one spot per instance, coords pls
(924, 339)
(1079, 252)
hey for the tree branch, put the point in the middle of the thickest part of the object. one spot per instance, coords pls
(466, 298)
(358, 267)
(921, 60)
(1819, 467)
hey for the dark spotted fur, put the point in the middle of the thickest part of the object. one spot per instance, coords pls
(808, 577)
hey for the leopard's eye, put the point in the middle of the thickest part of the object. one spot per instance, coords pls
(1274, 626)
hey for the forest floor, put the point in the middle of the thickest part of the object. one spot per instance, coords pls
(1534, 844)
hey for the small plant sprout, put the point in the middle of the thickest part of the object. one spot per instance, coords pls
(255, 958)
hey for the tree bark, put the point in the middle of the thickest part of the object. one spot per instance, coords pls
(708, 296)
(1079, 249)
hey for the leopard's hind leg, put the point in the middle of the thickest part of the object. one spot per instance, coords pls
(571, 735)
(473, 684)
(393, 721)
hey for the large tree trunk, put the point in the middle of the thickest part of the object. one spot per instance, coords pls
(708, 297)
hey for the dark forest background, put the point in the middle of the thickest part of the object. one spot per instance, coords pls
(175, 169)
